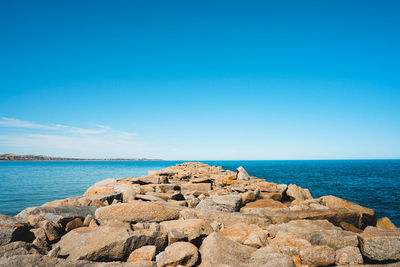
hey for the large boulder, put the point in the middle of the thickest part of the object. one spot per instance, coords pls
(318, 256)
(319, 232)
(147, 253)
(111, 186)
(217, 250)
(227, 203)
(17, 248)
(242, 174)
(365, 216)
(298, 193)
(250, 235)
(59, 215)
(178, 254)
(348, 255)
(45, 261)
(150, 179)
(192, 229)
(103, 243)
(264, 204)
(14, 229)
(136, 211)
(380, 246)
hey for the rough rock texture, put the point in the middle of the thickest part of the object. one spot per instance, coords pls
(192, 229)
(318, 256)
(348, 255)
(380, 246)
(14, 229)
(146, 253)
(179, 253)
(242, 174)
(103, 243)
(17, 248)
(136, 211)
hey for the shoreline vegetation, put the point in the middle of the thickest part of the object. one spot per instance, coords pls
(194, 214)
(15, 157)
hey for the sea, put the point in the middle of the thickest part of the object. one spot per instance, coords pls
(371, 183)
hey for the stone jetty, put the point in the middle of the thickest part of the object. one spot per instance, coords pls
(193, 214)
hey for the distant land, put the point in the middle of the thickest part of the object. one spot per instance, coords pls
(15, 157)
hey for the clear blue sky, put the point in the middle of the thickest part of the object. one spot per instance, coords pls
(201, 79)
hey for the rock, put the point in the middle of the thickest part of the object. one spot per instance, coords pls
(167, 188)
(217, 250)
(61, 215)
(250, 235)
(103, 243)
(75, 223)
(17, 248)
(149, 198)
(268, 257)
(136, 211)
(265, 204)
(53, 232)
(318, 256)
(318, 232)
(349, 227)
(288, 243)
(45, 261)
(227, 203)
(201, 187)
(192, 229)
(242, 174)
(147, 253)
(365, 215)
(87, 220)
(296, 192)
(110, 186)
(247, 197)
(385, 224)
(178, 254)
(150, 179)
(348, 255)
(380, 246)
(40, 242)
(193, 202)
(14, 229)
(263, 186)
(34, 220)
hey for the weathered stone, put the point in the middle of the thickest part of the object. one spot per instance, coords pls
(227, 203)
(14, 229)
(202, 187)
(136, 211)
(380, 246)
(250, 235)
(288, 243)
(296, 192)
(268, 257)
(40, 241)
(365, 216)
(349, 227)
(385, 224)
(147, 253)
(318, 256)
(217, 250)
(110, 186)
(178, 254)
(264, 187)
(75, 223)
(242, 174)
(150, 179)
(148, 198)
(17, 248)
(53, 232)
(45, 261)
(103, 243)
(34, 220)
(192, 229)
(61, 215)
(87, 220)
(167, 188)
(319, 232)
(247, 197)
(348, 255)
(265, 204)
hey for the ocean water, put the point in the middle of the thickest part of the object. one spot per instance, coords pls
(371, 183)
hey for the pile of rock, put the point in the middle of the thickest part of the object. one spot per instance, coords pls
(194, 214)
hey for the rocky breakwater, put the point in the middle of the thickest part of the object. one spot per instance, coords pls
(194, 214)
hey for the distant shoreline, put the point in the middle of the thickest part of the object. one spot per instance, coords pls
(15, 157)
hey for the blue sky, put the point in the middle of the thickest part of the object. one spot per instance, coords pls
(200, 79)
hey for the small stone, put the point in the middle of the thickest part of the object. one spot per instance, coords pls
(75, 223)
(87, 220)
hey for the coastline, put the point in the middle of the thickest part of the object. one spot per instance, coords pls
(205, 211)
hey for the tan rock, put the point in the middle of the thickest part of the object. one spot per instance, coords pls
(203, 187)
(380, 246)
(318, 256)
(264, 203)
(288, 243)
(348, 255)
(147, 253)
(264, 187)
(385, 224)
(136, 211)
(245, 234)
(192, 229)
(178, 254)
(247, 197)
(109, 186)
(366, 216)
(75, 223)
(296, 192)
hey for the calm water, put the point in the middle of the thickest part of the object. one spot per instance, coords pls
(372, 183)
